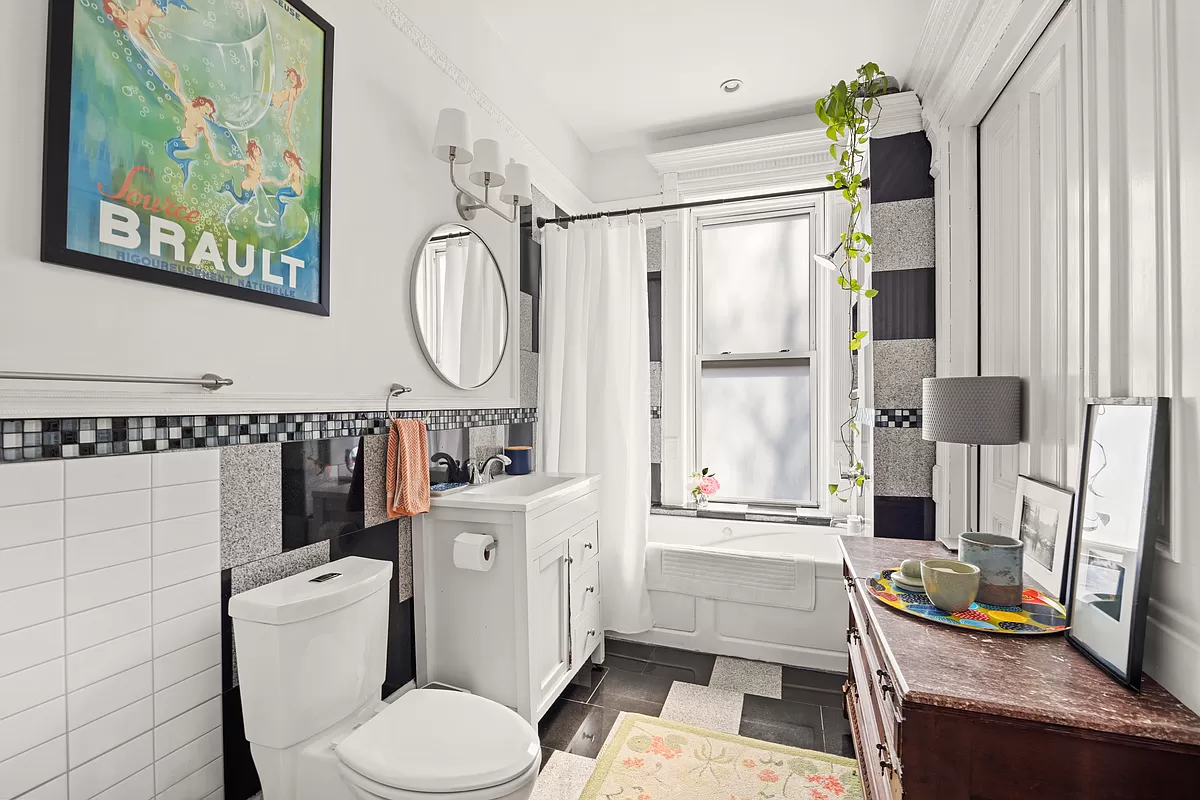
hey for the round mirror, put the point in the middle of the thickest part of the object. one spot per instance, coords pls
(460, 306)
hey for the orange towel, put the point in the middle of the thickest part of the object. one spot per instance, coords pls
(407, 469)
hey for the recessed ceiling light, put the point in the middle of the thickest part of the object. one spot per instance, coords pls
(730, 86)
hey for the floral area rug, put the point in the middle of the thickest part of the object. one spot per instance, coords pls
(649, 758)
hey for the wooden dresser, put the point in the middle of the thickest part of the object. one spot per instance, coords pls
(942, 713)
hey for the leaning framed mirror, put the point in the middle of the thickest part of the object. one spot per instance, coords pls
(459, 306)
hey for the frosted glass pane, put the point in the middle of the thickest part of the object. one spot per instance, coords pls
(755, 291)
(755, 429)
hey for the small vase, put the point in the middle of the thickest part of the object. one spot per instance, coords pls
(701, 501)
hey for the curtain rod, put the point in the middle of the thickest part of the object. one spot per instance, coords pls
(543, 221)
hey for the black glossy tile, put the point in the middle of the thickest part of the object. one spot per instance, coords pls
(816, 697)
(771, 711)
(227, 676)
(631, 705)
(589, 739)
(241, 778)
(813, 679)
(621, 647)
(900, 168)
(618, 683)
(561, 722)
(531, 265)
(684, 665)
(904, 518)
(546, 753)
(906, 305)
(838, 739)
(581, 688)
(805, 736)
(655, 483)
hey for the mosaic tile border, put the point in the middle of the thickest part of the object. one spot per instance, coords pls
(796, 517)
(53, 438)
(898, 418)
(655, 412)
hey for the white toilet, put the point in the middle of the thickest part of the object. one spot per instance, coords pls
(311, 651)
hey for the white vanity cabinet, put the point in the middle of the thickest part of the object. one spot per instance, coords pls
(518, 632)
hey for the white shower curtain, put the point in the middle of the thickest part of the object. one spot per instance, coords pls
(595, 394)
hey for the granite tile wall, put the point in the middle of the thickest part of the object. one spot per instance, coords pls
(903, 333)
(654, 261)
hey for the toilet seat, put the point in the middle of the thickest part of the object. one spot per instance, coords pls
(435, 741)
(378, 790)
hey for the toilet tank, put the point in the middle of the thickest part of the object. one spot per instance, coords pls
(311, 648)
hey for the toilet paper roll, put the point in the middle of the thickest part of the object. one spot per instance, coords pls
(474, 551)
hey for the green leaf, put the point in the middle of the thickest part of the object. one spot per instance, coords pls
(639, 744)
(867, 238)
(858, 481)
(841, 281)
(854, 427)
(860, 334)
(831, 132)
(832, 488)
(833, 150)
(869, 293)
(867, 104)
(855, 345)
(866, 258)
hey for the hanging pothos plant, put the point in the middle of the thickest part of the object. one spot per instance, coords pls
(850, 111)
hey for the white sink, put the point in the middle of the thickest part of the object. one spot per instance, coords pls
(518, 492)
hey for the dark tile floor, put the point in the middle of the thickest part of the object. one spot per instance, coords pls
(637, 677)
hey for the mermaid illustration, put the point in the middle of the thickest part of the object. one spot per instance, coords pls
(196, 117)
(297, 80)
(136, 22)
(291, 187)
(253, 165)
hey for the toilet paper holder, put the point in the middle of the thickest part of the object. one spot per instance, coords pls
(488, 549)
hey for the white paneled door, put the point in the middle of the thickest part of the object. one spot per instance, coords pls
(1030, 151)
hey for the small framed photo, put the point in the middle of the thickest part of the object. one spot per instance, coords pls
(1042, 519)
(1120, 515)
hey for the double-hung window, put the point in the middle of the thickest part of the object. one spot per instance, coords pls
(756, 379)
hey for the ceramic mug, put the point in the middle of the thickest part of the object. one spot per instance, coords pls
(1001, 562)
(951, 585)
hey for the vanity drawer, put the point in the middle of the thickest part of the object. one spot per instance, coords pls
(877, 687)
(585, 633)
(585, 589)
(585, 545)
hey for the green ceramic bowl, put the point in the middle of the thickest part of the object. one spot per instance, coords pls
(951, 585)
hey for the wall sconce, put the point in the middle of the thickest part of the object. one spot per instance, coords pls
(452, 144)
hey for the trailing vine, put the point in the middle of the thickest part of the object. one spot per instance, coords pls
(850, 111)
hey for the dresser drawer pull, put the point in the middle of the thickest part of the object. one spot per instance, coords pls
(885, 766)
(589, 589)
(849, 584)
(587, 545)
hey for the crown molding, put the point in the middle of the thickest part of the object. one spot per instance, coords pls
(430, 50)
(899, 113)
(781, 160)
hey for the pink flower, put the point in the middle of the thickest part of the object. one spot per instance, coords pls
(709, 485)
(768, 776)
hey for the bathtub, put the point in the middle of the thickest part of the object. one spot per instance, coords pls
(757, 590)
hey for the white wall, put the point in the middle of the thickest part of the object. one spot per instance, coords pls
(388, 191)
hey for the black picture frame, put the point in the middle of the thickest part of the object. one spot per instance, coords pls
(1154, 520)
(55, 168)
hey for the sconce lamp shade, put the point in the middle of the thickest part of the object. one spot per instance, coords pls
(826, 259)
(972, 410)
(487, 169)
(517, 188)
(453, 131)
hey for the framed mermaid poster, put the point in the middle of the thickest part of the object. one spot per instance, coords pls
(188, 142)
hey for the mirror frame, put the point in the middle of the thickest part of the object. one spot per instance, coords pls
(412, 305)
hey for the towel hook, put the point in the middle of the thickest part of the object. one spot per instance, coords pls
(396, 390)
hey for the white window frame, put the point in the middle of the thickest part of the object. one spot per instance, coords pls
(812, 207)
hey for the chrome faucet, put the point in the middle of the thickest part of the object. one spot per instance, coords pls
(482, 472)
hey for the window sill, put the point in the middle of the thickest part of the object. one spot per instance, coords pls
(743, 513)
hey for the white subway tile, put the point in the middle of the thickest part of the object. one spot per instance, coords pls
(186, 695)
(139, 786)
(107, 549)
(33, 563)
(186, 500)
(184, 532)
(31, 687)
(188, 629)
(98, 625)
(33, 482)
(31, 646)
(186, 662)
(106, 512)
(51, 790)
(104, 697)
(103, 586)
(183, 598)
(171, 469)
(32, 605)
(30, 523)
(110, 769)
(110, 731)
(32, 727)
(176, 766)
(105, 660)
(185, 565)
(89, 476)
(200, 783)
(34, 767)
(187, 727)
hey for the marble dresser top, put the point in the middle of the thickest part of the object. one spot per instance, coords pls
(1037, 678)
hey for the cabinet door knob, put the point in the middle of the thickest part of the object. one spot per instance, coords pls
(569, 560)
(591, 633)
(587, 545)
(589, 589)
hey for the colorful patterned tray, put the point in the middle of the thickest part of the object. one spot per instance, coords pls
(1037, 613)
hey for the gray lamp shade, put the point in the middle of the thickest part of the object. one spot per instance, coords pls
(975, 410)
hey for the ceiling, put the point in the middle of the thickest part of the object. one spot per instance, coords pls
(628, 72)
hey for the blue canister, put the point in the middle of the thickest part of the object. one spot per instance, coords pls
(1001, 562)
(522, 460)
